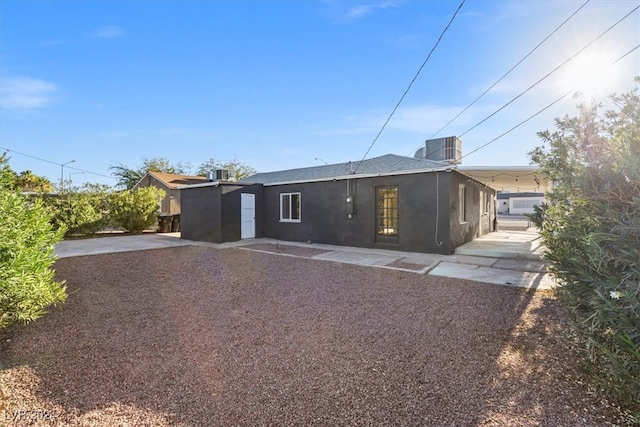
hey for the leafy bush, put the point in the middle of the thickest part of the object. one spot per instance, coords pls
(27, 239)
(537, 217)
(591, 227)
(136, 210)
(81, 210)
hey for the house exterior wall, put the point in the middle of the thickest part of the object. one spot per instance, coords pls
(503, 206)
(212, 214)
(231, 210)
(428, 210)
(523, 205)
(519, 203)
(324, 212)
(478, 220)
(170, 204)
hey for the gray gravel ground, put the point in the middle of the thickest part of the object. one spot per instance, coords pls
(193, 336)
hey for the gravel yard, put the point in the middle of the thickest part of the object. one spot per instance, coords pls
(193, 336)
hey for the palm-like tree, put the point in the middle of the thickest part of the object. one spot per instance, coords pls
(28, 181)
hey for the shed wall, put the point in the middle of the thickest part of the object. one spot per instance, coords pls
(212, 214)
(201, 216)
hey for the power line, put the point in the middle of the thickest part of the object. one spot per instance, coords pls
(511, 69)
(409, 87)
(9, 150)
(519, 124)
(549, 74)
(545, 108)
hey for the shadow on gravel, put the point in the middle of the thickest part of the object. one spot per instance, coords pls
(197, 336)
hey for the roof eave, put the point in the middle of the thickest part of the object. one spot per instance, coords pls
(360, 176)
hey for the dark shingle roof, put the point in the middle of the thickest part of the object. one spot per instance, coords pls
(386, 164)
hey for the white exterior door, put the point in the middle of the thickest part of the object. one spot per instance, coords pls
(247, 216)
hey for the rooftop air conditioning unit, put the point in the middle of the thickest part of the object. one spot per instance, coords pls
(446, 150)
(221, 174)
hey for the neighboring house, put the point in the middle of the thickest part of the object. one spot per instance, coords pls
(171, 184)
(518, 203)
(389, 202)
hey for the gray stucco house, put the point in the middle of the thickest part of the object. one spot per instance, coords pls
(390, 202)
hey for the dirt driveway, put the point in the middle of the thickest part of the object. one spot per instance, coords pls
(194, 336)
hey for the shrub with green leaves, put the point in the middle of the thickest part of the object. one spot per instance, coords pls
(79, 211)
(136, 210)
(27, 239)
(591, 227)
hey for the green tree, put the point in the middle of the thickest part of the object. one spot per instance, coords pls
(591, 227)
(129, 177)
(126, 176)
(28, 181)
(136, 210)
(27, 239)
(236, 168)
(25, 180)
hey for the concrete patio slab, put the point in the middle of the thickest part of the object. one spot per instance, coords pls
(505, 244)
(473, 259)
(360, 258)
(101, 245)
(522, 279)
(521, 265)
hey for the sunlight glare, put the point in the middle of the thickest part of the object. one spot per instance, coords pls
(590, 75)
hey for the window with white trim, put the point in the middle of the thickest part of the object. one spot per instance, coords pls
(290, 207)
(462, 203)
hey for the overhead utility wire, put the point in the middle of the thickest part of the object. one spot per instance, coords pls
(550, 73)
(409, 87)
(545, 108)
(547, 75)
(9, 150)
(511, 69)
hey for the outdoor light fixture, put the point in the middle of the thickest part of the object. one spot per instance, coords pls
(62, 165)
(349, 199)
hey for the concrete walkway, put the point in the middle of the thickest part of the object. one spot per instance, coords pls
(499, 258)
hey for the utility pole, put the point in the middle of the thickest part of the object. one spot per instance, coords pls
(62, 165)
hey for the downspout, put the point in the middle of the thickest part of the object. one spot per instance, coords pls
(438, 244)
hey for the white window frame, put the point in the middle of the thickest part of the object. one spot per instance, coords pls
(290, 213)
(462, 203)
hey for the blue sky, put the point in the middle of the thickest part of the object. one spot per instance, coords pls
(277, 84)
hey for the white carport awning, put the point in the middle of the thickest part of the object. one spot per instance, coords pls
(512, 179)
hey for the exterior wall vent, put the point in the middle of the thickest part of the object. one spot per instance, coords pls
(447, 150)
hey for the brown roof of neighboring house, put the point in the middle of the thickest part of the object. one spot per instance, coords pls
(173, 180)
